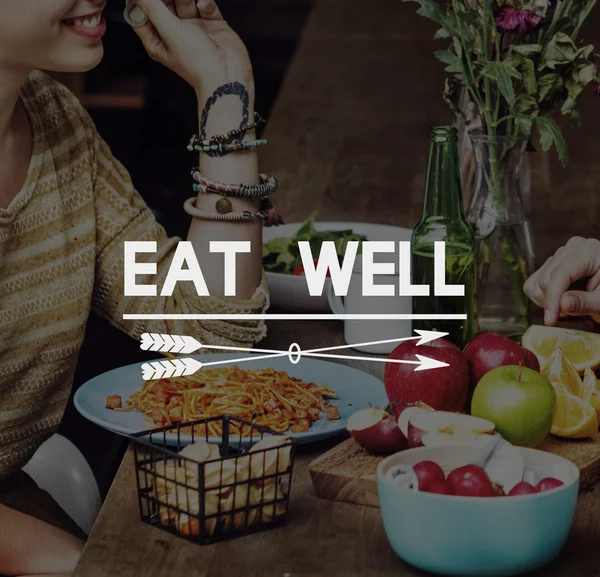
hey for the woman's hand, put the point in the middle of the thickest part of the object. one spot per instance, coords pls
(549, 286)
(191, 38)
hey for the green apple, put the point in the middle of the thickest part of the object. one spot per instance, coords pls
(519, 401)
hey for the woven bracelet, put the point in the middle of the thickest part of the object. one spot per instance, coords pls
(195, 140)
(224, 148)
(268, 214)
(268, 186)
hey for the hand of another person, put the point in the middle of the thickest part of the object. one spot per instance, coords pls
(191, 38)
(549, 287)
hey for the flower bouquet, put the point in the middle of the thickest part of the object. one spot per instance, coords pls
(517, 62)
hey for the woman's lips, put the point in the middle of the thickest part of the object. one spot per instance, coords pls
(93, 26)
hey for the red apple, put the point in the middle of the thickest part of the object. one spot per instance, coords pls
(376, 431)
(427, 472)
(441, 428)
(471, 481)
(486, 351)
(548, 483)
(443, 388)
(407, 411)
(441, 487)
(522, 488)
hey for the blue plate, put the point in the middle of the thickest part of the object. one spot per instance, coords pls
(356, 389)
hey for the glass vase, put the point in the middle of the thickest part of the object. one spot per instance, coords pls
(503, 241)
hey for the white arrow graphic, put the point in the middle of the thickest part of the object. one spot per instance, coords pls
(169, 343)
(188, 345)
(188, 366)
(167, 369)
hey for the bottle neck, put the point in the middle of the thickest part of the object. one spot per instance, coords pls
(443, 192)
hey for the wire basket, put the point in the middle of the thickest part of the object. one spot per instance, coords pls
(208, 492)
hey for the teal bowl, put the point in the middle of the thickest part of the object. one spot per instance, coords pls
(482, 537)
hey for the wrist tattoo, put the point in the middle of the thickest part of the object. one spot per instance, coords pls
(232, 88)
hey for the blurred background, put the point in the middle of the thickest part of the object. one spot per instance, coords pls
(351, 89)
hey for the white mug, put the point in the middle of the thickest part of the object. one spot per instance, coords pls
(363, 331)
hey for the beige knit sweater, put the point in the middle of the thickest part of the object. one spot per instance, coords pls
(61, 255)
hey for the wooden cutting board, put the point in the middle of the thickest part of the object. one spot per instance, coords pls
(348, 473)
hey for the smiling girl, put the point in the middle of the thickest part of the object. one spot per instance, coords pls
(66, 208)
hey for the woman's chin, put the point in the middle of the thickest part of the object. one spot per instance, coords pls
(83, 61)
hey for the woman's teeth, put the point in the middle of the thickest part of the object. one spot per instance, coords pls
(89, 22)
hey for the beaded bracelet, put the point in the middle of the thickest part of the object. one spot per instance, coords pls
(267, 213)
(224, 147)
(268, 186)
(195, 140)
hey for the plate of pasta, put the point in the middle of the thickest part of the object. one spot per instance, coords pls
(308, 401)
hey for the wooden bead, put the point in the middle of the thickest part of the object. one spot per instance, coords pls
(223, 205)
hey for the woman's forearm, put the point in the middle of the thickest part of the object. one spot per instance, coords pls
(31, 547)
(235, 168)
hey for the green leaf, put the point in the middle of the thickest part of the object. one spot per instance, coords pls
(277, 245)
(525, 105)
(526, 49)
(503, 73)
(432, 10)
(526, 67)
(457, 47)
(307, 228)
(550, 134)
(586, 51)
(574, 88)
(442, 33)
(587, 74)
(471, 17)
(524, 125)
(454, 63)
(568, 105)
(548, 85)
(561, 50)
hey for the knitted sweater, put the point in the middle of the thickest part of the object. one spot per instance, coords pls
(61, 255)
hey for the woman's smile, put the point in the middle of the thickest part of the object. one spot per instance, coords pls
(88, 25)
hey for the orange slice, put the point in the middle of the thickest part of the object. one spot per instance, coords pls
(581, 347)
(574, 418)
(560, 370)
(591, 387)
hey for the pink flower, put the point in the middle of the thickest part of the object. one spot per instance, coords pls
(523, 20)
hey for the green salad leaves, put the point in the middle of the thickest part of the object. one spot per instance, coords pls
(283, 255)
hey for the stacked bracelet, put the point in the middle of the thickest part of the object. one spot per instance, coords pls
(197, 140)
(223, 148)
(267, 213)
(268, 186)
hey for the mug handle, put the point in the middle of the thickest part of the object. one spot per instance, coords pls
(336, 303)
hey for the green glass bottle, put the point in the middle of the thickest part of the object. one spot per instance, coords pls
(443, 219)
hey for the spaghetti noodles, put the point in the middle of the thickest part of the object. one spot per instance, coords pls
(265, 397)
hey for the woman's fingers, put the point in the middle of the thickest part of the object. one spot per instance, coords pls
(209, 10)
(170, 4)
(579, 303)
(186, 8)
(152, 42)
(536, 294)
(161, 17)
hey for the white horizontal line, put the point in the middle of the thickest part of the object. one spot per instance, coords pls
(295, 317)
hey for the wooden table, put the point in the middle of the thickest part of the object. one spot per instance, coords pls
(350, 133)
(321, 538)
